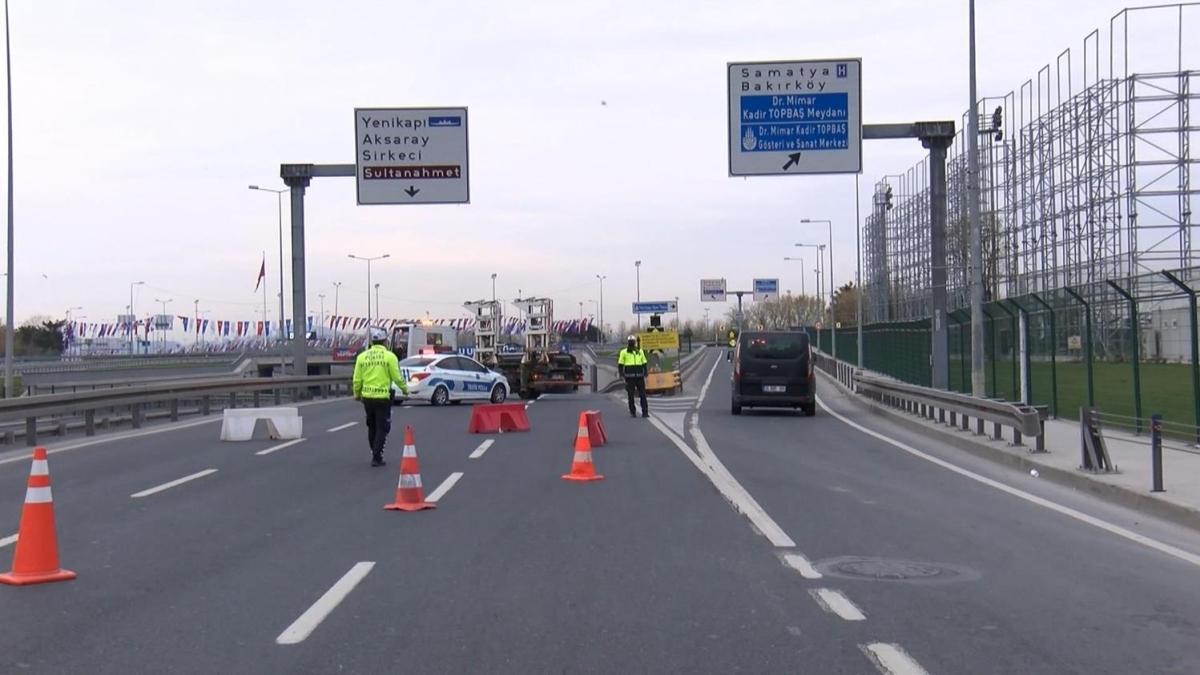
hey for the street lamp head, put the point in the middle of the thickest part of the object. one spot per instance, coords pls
(385, 255)
(637, 263)
(255, 187)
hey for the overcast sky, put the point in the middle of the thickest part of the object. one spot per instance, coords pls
(139, 124)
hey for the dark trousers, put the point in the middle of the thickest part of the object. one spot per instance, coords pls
(637, 384)
(379, 423)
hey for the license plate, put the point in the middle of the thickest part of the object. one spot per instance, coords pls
(556, 377)
(774, 388)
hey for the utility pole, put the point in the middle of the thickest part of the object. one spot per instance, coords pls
(978, 381)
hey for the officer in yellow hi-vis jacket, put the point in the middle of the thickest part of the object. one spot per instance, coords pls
(375, 369)
(631, 365)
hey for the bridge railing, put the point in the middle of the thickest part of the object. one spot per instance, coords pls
(170, 399)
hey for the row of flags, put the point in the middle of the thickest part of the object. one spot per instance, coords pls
(242, 329)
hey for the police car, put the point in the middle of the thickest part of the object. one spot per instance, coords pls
(450, 378)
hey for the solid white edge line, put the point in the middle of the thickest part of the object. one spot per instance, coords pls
(347, 425)
(891, 659)
(801, 565)
(483, 447)
(441, 490)
(10, 539)
(167, 486)
(835, 602)
(281, 446)
(708, 381)
(1032, 498)
(127, 435)
(312, 617)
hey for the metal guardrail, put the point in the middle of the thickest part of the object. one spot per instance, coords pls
(30, 408)
(943, 406)
(1022, 418)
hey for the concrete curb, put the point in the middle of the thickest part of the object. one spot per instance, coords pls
(987, 449)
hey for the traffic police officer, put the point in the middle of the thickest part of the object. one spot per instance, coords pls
(375, 369)
(631, 365)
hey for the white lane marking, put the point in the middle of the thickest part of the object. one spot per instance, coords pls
(10, 539)
(1032, 498)
(347, 425)
(312, 617)
(441, 490)
(708, 382)
(275, 448)
(177, 481)
(801, 565)
(483, 447)
(744, 502)
(891, 659)
(835, 602)
(124, 436)
(708, 464)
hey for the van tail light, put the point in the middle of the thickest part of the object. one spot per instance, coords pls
(810, 362)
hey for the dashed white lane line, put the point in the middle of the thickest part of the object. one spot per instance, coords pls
(10, 539)
(441, 490)
(801, 565)
(707, 383)
(347, 425)
(1040, 501)
(890, 659)
(836, 603)
(178, 481)
(302, 627)
(483, 447)
(276, 448)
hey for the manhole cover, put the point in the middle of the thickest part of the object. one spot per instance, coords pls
(883, 569)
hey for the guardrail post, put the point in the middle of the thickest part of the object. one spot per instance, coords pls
(997, 432)
(1156, 452)
(953, 418)
(232, 399)
(60, 429)
(89, 422)
(174, 410)
(135, 411)
(10, 437)
(255, 399)
(31, 431)
(979, 426)
(1016, 436)
(205, 405)
(277, 396)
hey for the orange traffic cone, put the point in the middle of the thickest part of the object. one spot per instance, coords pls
(582, 468)
(410, 496)
(36, 558)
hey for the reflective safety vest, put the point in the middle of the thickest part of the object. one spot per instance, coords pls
(632, 363)
(374, 371)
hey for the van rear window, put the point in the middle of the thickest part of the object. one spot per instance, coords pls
(781, 346)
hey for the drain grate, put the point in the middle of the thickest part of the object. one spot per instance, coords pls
(884, 569)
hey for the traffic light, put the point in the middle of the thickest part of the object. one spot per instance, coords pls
(655, 320)
(733, 336)
(998, 122)
(887, 196)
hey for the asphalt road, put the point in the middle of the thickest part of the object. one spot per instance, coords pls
(648, 571)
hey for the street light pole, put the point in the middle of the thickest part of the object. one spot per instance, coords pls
(832, 284)
(600, 332)
(322, 297)
(164, 313)
(493, 286)
(637, 266)
(370, 260)
(801, 261)
(279, 203)
(337, 286)
(978, 381)
(9, 336)
(131, 316)
(378, 313)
